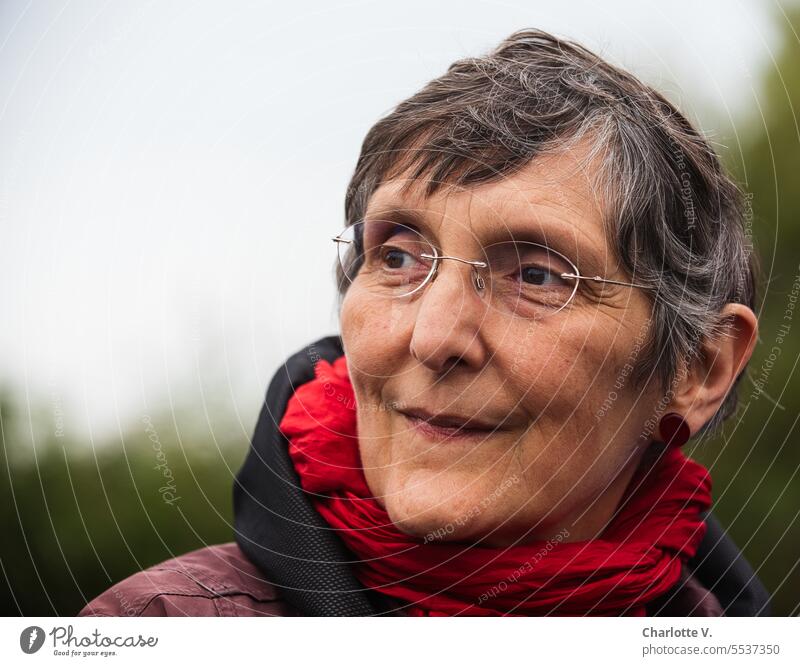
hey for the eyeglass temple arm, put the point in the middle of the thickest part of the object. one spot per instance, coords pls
(597, 278)
(476, 264)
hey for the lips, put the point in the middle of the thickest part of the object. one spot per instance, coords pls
(443, 426)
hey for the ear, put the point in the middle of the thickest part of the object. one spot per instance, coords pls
(701, 392)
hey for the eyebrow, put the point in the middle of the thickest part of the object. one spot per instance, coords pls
(549, 234)
(399, 214)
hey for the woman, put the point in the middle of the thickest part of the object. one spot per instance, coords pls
(546, 292)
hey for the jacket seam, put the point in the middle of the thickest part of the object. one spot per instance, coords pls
(170, 594)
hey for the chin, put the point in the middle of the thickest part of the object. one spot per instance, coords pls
(434, 526)
(437, 509)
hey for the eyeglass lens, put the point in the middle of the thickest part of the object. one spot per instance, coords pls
(393, 260)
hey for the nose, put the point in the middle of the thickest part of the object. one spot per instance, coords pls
(448, 321)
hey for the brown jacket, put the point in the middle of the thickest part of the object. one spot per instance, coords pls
(221, 581)
(213, 581)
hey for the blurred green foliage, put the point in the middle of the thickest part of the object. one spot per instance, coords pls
(755, 464)
(77, 519)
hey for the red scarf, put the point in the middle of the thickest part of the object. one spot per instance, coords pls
(638, 558)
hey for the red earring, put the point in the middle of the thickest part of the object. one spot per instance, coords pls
(674, 430)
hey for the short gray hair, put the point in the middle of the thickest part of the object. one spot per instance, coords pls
(675, 217)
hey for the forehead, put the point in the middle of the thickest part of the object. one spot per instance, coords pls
(555, 195)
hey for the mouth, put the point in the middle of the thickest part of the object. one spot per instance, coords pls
(443, 426)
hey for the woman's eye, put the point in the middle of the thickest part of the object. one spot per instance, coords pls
(394, 258)
(538, 276)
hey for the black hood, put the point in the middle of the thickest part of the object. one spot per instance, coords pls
(280, 531)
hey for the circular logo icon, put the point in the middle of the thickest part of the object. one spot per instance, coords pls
(31, 639)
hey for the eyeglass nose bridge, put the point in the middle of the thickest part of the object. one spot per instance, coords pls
(477, 278)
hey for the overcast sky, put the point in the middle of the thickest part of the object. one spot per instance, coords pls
(172, 173)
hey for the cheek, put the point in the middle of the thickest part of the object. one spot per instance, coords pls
(564, 374)
(373, 348)
(587, 412)
(373, 334)
(612, 406)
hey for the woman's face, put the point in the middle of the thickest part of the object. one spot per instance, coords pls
(558, 420)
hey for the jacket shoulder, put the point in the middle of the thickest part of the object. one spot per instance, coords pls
(214, 581)
(722, 568)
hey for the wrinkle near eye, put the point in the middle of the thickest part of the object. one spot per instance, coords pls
(603, 295)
